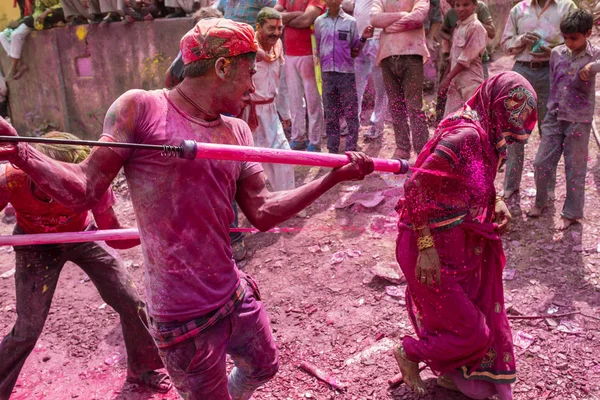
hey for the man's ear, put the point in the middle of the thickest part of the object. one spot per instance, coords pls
(587, 35)
(223, 68)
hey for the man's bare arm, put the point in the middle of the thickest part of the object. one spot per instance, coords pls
(77, 186)
(306, 19)
(265, 209)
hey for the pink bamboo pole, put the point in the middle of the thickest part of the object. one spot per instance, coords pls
(259, 154)
(96, 236)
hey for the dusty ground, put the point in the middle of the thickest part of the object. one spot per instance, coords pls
(329, 309)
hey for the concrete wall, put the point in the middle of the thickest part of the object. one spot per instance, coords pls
(75, 73)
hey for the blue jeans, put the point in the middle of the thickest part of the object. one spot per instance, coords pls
(340, 98)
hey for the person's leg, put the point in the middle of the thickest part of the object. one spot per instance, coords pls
(269, 134)
(197, 366)
(548, 155)
(541, 83)
(36, 277)
(381, 100)
(237, 238)
(412, 85)
(17, 41)
(251, 346)
(74, 8)
(362, 70)
(576, 158)
(349, 102)
(486, 69)
(314, 102)
(282, 100)
(331, 100)
(296, 99)
(397, 106)
(516, 151)
(106, 271)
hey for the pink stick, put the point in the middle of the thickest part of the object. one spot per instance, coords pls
(96, 236)
(245, 153)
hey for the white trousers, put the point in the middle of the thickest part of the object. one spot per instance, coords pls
(269, 134)
(283, 100)
(365, 65)
(14, 45)
(300, 76)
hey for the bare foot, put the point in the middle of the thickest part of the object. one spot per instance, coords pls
(447, 383)
(564, 224)
(535, 212)
(409, 370)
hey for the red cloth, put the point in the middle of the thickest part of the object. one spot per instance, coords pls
(217, 37)
(461, 323)
(37, 216)
(297, 41)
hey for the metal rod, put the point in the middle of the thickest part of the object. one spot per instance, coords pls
(91, 143)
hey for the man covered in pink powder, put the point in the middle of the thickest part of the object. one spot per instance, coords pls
(201, 306)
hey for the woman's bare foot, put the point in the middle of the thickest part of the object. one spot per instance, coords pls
(447, 383)
(564, 223)
(535, 212)
(409, 370)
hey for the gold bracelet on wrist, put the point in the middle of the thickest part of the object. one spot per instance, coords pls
(425, 242)
(499, 198)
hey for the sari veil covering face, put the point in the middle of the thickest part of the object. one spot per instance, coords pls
(461, 322)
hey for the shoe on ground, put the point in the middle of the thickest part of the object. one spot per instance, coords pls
(298, 144)
(239, 251)
(313, 148)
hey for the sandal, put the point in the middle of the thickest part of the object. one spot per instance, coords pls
(154, 380)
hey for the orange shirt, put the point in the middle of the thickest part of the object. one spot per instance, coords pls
(37, 216)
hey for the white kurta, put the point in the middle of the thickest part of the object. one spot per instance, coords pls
(269, 132)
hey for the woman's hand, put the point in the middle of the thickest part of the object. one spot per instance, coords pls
(503, 217)
(429, 270)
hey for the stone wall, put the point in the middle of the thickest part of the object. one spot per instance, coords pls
(75, 73)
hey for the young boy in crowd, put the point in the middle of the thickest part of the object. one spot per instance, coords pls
(468, 45)
(568, 122)
(447, 29)
(338, 44)
(38, 268)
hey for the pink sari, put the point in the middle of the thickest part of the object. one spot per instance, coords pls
(461, 324)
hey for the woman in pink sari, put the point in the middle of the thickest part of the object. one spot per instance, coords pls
(449, 246)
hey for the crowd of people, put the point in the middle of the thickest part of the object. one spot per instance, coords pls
(244, 73)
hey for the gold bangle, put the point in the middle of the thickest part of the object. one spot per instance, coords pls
(499, 198)
(425, 242)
